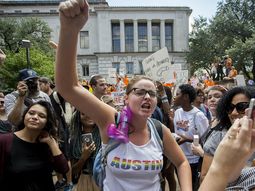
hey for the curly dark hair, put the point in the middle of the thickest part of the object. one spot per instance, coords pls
(190, 90)
(225, 101)
(51, 124)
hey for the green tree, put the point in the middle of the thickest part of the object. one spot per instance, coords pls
(230, 32)
(41, 55)
(202, 46)
(234, 25)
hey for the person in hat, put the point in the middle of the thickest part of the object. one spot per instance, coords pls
(46, 85)
(27, 93)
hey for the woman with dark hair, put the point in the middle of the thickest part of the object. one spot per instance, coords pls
(29, 155)
(231, 107)
(230, 158)
(83, 153)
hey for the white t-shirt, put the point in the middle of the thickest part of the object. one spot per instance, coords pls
(131, 167)
(188, 123)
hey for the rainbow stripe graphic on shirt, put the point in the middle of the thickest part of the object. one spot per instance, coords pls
(127, 164)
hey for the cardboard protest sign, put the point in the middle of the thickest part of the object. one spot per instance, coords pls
(157, 65)
(182, 76)
(111, 79)
(118, 97)
(240, 81)
(122, 72)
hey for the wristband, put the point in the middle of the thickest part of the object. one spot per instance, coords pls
(163, 97)
(164, 100)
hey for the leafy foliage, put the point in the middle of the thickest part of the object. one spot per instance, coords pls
(231, 32)
(41, 55)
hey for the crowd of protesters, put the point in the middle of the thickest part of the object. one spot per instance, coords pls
(44, 128)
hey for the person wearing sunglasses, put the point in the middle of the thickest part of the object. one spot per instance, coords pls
(136, 163)
(231, 107)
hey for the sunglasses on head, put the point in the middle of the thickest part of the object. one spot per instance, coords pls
(142, 92)
(240, 107)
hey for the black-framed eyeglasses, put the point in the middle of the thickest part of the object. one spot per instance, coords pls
(240, 107)
(2, 102)
(142, 92)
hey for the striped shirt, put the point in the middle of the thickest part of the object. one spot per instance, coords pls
(245, 182)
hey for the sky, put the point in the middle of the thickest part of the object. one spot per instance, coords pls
(205, 8)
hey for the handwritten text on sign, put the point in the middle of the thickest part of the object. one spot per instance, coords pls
(158, 66)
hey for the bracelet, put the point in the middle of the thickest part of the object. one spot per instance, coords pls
(164, 100)
(163, 97)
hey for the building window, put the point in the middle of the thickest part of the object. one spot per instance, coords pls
(155, 27)
(116, 37)
(129, 37)
(53, 11)
(84, 39)
(35, 11)
(169, 36)
(141, 67)
(85, 70)
(17, 11)
(129, 68)
(117, 66)
(142, 37)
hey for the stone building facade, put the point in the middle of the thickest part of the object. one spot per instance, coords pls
(119, 37)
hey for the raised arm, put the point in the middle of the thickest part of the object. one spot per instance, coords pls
(73, 16)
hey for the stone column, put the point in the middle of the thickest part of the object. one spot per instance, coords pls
(162, 33)
(149, 33)
(122, 36)
(135, 36)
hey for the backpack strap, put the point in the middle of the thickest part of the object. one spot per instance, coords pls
(157, 129)
(67, 114)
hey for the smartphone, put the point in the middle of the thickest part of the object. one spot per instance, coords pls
(251, 110)
(196, 140)
(87, 138)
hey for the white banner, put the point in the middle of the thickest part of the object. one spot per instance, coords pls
(182, 76)
(111, 79)
(240, 81)
(118, 97)
(157, 65)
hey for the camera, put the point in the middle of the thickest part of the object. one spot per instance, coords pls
(87, 138)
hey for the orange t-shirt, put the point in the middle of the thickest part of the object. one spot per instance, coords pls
(126, 81)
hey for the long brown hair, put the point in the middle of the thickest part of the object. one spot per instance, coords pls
(134, 80)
